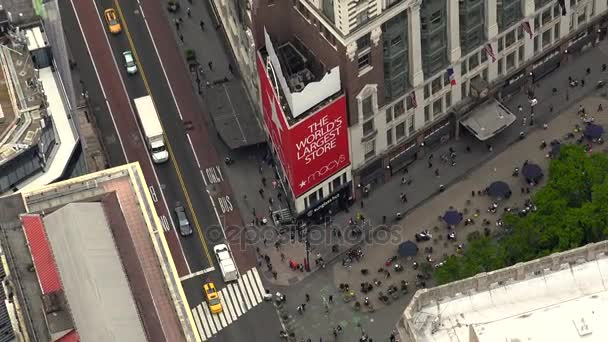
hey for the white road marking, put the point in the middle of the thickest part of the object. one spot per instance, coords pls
(226, 297)
(210, 316)
(193, 151)
(197, 321)
(192, 275)
(233, 297)
(207, 329)
(244, 294)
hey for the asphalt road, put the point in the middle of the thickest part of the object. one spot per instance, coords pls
(193, 176)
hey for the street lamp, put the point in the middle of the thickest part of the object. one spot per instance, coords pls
(307, 245)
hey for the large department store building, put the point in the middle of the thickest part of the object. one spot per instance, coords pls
(412, 70)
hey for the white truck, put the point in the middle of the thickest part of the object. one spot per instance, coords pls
(153, 131)
(227, 266)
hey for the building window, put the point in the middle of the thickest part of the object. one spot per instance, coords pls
(369, 149)
(410, 124)
(510, 61)
(427, 114)
(500, 66)
(510, 38)
(500, 45)
(536, 44)
(463, 67)
(556, 32)
(436, 85)
(389, 115)
(448, 99)
(474, 61)
(437, 108)
(389, 137)
(367, 108)
(536, 22)
(427, 91)
(364, 60)
(313, 198)
(484, 74)
(463, 89)
(400, 131)
(521, 54)
(409, 102)
(368, 127)
(336, 183)
(581, 18)
(364, 42)
(556, 11)
(363, 17)
(398, 109)
(546, 38)
(546, 18)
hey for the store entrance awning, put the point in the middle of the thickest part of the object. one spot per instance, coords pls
(488, 119)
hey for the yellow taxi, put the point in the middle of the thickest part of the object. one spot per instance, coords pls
(212, 298)
(112, 21)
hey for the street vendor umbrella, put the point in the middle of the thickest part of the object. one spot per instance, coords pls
(532, 172)
(555, 148)
(499, 189)
(593, 131)
(408, 249)
(452, 217)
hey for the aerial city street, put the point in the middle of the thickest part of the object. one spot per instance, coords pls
(304, 170)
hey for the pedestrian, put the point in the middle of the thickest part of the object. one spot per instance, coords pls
(307, 296)
(388, 275)
(582, 83)
(383, 219)
(468, 149)
(335, 333)
(188, 12)
(405, 170)
(551, 108)
(431, 157)
(181, 37)
(202, 25)
(210, 64)
(261, 191)
(520, 108)
(588, 71)
(437, 172)
(264, 181)
(403, 180)
(274, 275)
(361, 204)
(265, 242)
(430, 165)
(523, 190)
(600, 108)
(279, 196)
(554, 91)
(331, 298)
(177, 24)
(299, 309)
(304, 307)
(523, 121)
(472, 193)
(441, 188)
(404, 198)
(230, 68)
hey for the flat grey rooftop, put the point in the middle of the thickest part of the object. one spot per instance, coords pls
(232, 116)
(92, 274)
(488, 119)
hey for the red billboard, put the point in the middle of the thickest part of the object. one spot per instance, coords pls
(313, 149)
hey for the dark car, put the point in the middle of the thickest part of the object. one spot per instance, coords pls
(423, 236)
(182, 220)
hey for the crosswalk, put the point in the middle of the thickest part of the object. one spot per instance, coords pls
(237, 298)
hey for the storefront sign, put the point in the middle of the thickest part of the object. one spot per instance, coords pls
(436, 130)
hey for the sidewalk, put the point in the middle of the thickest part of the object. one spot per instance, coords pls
(319, 322)
(385, 200)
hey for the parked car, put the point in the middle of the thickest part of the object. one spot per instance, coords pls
(129, 62)
(182, 220)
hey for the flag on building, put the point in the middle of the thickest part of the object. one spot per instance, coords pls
(413, 99)
(451, 76)
(526, 27)
(562, 4)
(490, 52)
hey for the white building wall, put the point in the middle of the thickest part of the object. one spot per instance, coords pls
(519, 52)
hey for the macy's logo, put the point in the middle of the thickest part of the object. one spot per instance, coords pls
(324, 171)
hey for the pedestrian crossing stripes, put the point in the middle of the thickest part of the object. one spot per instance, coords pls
(237, 298)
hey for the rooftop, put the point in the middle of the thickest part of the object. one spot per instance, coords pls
(117, 260)
(302, 83)
(488, 119)
(37, 136)
(561, 297)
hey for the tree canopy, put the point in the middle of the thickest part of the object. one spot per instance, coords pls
(572, 210)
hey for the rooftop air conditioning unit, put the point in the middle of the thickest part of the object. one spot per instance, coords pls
(296, 83)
